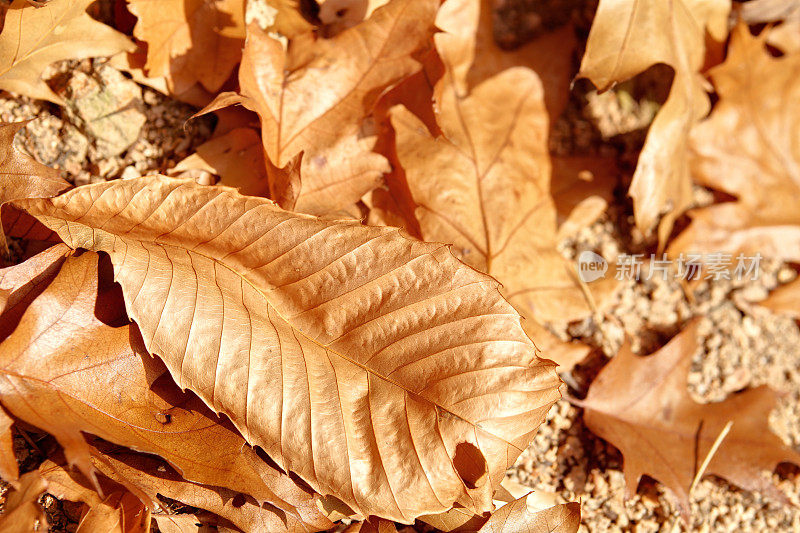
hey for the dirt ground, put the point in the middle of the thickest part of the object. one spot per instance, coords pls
(742, 344)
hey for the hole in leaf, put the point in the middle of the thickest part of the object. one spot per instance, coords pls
(470, 465)
(239, 500)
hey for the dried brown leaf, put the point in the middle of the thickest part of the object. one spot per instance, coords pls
(517, 517)
(641, 406)
(785, 299)
(21, 176)
(629, 36)
(748, 148)
(484, 186)
(44, 383)
(378, 368)
(9, 470)
(34, 37)
(21, 510)
(237, 157)
(314, 101)
(190, 41)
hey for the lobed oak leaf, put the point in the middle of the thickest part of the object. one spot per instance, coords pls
(34, 37)
(44, 383)
(339, 175)
(287, 18)
(468, 47)
(641, 406)
(21, 176)
(379, 369)
(748, 148)
(190, 41)
(629, 36)
(21, 510)
(491, 196)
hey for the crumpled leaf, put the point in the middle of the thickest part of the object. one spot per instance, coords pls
(34, 37)
(629, 36)
(315, 101)
(21, 176)
(21, 511)
(343, 348)
(641, 406)
(190, 41)
(517, 517)
(44, 383)
(748, 148)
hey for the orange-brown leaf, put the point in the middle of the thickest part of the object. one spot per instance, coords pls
(22, 512)
(378, 368)
(190, 41)
(21, 176)
(9, 470)
(748, 148)
(517, 517)
(629, 36)
(34, 37)
(237, 157)
(641, 406)
(44, 383)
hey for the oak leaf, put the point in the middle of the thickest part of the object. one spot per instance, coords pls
(21, 176)
(641, 406)
(748, 149)
(629, 36)
(44, 383)
(190, 41)
(32, 38)
(338, 348)
(287, 19)
(467, 45)
(484, 184)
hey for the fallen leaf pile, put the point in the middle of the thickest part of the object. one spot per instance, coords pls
(341, 312)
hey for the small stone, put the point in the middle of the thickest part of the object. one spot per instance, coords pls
(107, 107)
(130, 172)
